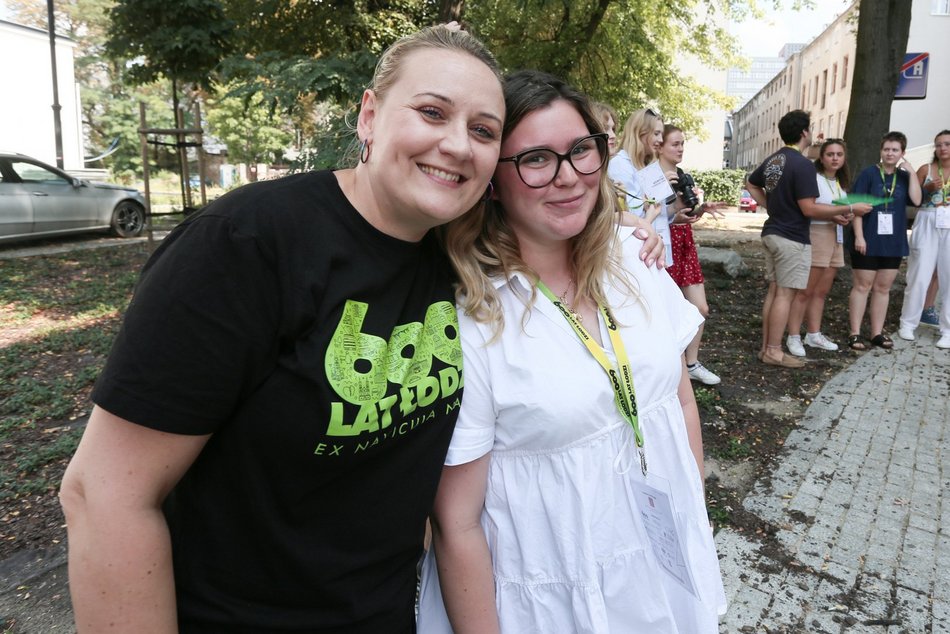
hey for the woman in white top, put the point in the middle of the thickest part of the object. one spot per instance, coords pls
(640, 144)
(576, 403)
(827, 253)
(930, 244)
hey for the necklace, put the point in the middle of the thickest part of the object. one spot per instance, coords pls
(569, 305)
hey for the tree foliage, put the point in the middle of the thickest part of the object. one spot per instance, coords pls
(248, 128)
(624, 52)
(883, 29)
(309, 61)
(183, 40)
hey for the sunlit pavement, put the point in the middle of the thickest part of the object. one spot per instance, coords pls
(862, 541)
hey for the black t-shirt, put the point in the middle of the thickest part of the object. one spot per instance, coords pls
(323, 356)
(787, 177)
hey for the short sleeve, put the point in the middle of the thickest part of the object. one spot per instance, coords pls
(684, 318)
(474, 433)
(862, 185)
(201, 331)
(806, 181)
(621, 170)
(757, 177)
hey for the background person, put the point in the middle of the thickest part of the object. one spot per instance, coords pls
(537, 521)
(640, 143)
(686, 270)
(827, 252)
(930, 244)
(262, 455)
(608, 116)
(880, 238)
(785, 184)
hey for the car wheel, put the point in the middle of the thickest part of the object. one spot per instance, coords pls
(128, 219)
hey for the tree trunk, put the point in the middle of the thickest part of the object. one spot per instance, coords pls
(883, 28)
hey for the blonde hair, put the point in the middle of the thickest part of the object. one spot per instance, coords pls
(440, 37)
(482, 245)
(640, 123)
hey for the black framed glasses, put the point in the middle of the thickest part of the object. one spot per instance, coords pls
(539, 167)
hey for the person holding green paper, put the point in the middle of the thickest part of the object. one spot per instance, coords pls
(785, 185)
(578, 412)
(880, 239)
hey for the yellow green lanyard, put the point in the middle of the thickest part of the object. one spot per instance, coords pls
(621, 377)
(888, 194)
(945, 189)
(836, 192)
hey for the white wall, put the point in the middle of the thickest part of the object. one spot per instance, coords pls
(921, 119)
(26, 113)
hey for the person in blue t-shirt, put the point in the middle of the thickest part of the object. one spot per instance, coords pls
(880, 238)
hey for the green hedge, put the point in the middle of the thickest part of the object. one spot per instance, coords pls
(720, 185)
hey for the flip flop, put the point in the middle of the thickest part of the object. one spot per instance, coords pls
(787, 361)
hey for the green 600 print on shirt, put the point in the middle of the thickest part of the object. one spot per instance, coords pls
(392, 378)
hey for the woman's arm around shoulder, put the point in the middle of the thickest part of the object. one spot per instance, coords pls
(120, 565)
(464, 561)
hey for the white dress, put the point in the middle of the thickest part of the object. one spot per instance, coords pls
(568, 546)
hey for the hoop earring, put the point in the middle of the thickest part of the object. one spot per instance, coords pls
(364, 150)
(489, 192)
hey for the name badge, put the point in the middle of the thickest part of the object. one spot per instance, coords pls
(839, 234)
(943, 217)
(885, 224)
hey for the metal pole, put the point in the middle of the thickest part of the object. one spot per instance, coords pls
(57, 122)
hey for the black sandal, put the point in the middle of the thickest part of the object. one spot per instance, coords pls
(882, 341)
(855, 343)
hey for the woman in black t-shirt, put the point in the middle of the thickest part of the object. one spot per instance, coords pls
(270, 427)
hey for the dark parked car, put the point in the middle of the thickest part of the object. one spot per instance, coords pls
(747, 202)
(38, 200)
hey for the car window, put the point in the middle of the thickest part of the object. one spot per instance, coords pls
(35, 173)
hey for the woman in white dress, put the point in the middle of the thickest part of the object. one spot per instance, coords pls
(578, 427)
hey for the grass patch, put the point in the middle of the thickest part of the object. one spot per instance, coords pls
(63, 312)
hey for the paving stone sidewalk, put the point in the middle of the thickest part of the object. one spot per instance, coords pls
(862, 539)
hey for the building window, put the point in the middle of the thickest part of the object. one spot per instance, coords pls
(834, 77)
(824, 87)
(940, 7)
(844, 72)
(814, 92)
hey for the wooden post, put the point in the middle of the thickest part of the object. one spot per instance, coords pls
(183, 161)
(200, 149)
(143, 139)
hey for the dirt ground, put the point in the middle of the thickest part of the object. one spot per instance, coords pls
(745, 421)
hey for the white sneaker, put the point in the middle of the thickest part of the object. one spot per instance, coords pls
(905, 333)
(794, 344)
(944, 342)
(699, 373)
(818, 340)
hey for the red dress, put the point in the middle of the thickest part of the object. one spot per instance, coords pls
(685, 270)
